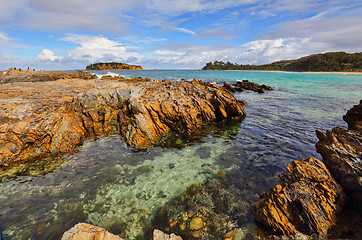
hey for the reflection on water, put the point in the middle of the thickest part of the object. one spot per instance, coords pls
(108, 184)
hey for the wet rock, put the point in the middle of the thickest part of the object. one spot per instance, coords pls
(228, 87)
(84, 231)
(240, 86)
(341, 150)
(35, 123)
(308, 200)
(216, 209)
(354, 117)
(159, 235)
(243, 102)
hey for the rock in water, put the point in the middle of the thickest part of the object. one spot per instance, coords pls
(240, 86)
(354, 117)
(159, 235)
(34, 122)
(84, 231)
(307, 200)
(341, 150)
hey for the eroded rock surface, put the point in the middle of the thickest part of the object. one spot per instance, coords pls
(84, 231)
(341, 150)
(56, 116)
(308, 200)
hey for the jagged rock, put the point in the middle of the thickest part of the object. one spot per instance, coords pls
(54, 117)
(229, 87)
(240, 86)
(159, 235)
(84, 231)
(354, 117)
(308, 200)
(341, 150)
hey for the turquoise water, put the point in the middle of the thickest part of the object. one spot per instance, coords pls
(109, 184)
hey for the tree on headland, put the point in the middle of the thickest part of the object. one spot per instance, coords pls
(327, 62)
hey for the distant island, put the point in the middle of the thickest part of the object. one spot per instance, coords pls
(113, 66)
(327, 62)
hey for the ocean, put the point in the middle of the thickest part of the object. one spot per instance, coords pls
(108, 184)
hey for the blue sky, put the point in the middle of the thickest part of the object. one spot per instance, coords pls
(70, 34)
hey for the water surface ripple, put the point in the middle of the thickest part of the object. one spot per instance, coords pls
(111, 185)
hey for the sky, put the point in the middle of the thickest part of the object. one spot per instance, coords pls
(177, 34)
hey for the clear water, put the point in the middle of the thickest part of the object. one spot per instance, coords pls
(109, 184)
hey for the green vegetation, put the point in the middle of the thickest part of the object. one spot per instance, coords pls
(113, 66)
(327, 62)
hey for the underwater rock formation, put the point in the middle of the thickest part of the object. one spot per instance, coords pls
(44, 118)
(341, 150)
(218, 208)
(307, 200)
(84, 231)
(159, 235)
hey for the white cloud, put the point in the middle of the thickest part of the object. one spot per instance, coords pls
(99, 48)
(331, 34)
(46, 55)
(255, 52)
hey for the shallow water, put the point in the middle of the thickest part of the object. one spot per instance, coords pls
(109, 184)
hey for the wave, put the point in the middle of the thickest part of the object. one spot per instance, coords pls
(108, 74)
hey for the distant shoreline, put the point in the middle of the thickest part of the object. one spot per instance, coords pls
(286, 71)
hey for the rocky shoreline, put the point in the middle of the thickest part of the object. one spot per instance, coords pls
(320, 199)
(57, 111)
(51, 116)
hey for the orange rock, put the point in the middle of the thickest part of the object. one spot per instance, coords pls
(55, 117)
(84, 231)
(308, 200)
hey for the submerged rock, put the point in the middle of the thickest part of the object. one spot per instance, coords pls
(84, 231)
(308, 200)
(217, 209)
(159, 235)
(54, 117)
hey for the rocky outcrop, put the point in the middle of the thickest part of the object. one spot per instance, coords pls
(84, 231)
(17, 75)
(246, 85)
(113, 66)
(354, 117)
(341, 150)
(35, 122)
(308, 200)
